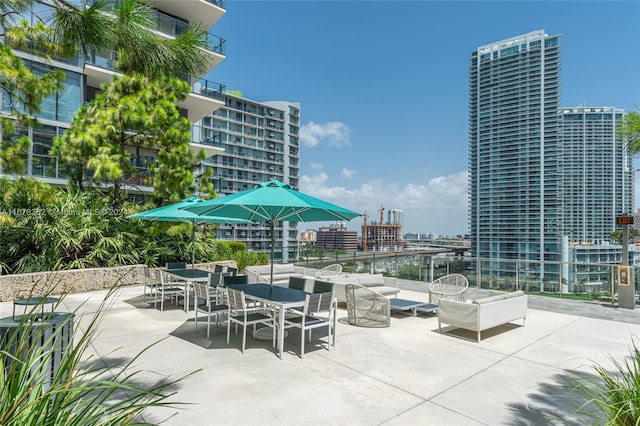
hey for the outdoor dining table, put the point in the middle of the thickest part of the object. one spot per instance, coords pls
(189, 275)
(279, 297)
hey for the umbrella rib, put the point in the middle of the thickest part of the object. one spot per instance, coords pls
(255, 212)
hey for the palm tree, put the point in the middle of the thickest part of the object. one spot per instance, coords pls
(630, 129)
(125, 27)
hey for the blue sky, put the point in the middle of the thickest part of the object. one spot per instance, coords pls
(383, 87)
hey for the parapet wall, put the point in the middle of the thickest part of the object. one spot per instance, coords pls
(78, 280)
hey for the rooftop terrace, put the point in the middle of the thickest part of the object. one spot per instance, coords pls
(406, 374)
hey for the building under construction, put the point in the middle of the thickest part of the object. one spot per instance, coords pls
(380, 236)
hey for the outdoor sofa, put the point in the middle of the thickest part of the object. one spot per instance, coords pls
(281, 273)
(387, 286)
(485, 313)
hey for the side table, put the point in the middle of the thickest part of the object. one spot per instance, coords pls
(33, 301)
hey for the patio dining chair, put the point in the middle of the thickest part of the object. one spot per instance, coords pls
(297, 282)
(309, 319)
(207, 304)
(169, 289)
(151, 285)
(214, 282)
(235, 279)
(176, 265)
(322, 286)
(240, 313)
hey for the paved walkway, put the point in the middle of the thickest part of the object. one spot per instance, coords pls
(408, 373)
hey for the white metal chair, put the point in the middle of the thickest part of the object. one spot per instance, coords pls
(320, 286)
(308, 319)
(151, 284)
(366, 307)
(176, 265)
(242, 314)
(211, 305)
(170, 289)
(450, 287)
(297, 282)
(329, 271)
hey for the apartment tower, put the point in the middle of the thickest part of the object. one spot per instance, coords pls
(261, 142)
(514, 173)
(336, 237)
(596, 172)
(84, 77)
(543, 180)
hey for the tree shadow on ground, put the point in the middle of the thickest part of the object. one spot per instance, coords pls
(138, 382)
(556, 403)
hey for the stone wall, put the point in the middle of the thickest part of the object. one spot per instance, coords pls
(78, 280)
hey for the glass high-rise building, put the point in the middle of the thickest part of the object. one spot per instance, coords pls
(514, 172)
(84, 77)
(541, 177)
(597, 173)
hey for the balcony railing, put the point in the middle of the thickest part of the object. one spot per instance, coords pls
(208, 88)
(219, 3)
(174, 27)
(591, 281)
(167, 24)
(203, 87)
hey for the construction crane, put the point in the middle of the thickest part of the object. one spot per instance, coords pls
(381, 214)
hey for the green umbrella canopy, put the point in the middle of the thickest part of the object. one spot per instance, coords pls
(272, 201)
(174, 213)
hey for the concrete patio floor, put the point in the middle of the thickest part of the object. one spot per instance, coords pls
(405, 374)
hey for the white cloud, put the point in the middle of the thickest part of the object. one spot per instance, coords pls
(348, 173)
(439, 205)
(332, 133)
(316, 166)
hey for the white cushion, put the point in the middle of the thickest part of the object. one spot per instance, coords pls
(370, 280)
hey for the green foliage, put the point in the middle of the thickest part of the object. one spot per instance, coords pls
(612, 396)
(23, 92)
(83, 391)
(616, 236)
(133, 114)
(44, 228)
(246, 258)
(126, 28)
(410, 271)
(630, 130)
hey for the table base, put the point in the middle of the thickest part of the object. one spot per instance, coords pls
(266, 333)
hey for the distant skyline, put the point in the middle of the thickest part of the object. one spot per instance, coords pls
(383, 88)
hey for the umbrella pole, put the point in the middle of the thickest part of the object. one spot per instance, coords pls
(273, 243)
(193, 244)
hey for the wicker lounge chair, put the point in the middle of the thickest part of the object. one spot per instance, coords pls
(450, 287)
(329, 271)
(366, 307)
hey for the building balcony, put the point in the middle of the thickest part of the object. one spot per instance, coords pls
(201, 13)
(206, 96)
(204, 12)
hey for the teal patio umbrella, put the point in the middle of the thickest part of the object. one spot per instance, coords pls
(175, 213)
(272, 201)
